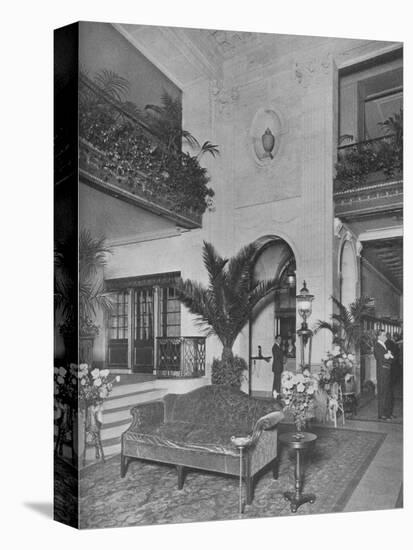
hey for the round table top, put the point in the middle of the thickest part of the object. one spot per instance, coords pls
(293, 440)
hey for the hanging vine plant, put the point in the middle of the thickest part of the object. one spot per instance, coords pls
(134, 144)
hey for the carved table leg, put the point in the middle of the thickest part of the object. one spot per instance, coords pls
(297, 498)
(274, 467)
(181, 476)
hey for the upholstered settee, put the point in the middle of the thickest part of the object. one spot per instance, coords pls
(194, 430)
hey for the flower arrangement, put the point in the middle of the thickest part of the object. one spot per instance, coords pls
(65, 385)
(336, 368)
(297, 395)
(335, 371)
(94, 385)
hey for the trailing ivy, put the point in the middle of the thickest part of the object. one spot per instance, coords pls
(139, 159)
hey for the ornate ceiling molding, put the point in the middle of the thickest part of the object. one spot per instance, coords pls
(312, 70)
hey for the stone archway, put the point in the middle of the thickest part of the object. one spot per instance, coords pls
(274, 315)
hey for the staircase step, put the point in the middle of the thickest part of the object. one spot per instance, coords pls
(134, 398)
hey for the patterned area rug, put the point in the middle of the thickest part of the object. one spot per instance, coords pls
(149, 495)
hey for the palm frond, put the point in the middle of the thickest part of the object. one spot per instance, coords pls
(210, 148)
(319, 325)
(213, 262)
(112, 84)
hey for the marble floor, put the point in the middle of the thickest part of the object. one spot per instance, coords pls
(380, 487)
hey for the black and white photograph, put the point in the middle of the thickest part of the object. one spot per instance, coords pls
(228, 275)
(206, 277)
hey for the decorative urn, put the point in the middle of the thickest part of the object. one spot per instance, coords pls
(268, 141)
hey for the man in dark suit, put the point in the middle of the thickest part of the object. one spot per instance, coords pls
(394, 348)
(277, 363)
(384, 390)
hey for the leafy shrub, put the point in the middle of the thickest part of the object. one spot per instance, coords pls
(228, 372)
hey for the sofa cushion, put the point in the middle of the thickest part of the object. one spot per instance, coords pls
(191, 436)
(214, 405)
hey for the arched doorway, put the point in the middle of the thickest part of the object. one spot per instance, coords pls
(274, 315)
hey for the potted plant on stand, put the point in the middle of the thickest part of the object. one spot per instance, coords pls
(80, 296)
(94, 388)
(346, 326)
(226, 304)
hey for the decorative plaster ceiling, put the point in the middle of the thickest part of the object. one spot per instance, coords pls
(230, 43)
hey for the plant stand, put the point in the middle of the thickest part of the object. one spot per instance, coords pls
(93, 426)
(299, 443)
(65, 432)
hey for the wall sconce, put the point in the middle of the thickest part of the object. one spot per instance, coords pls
(305, 335)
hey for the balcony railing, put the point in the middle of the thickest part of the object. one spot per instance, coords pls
(368, 162)
(180, 357)
(153, 193)
(118, 147)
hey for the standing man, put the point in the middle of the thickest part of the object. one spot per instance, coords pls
(277, 363)
(383, 364)
(394, 349)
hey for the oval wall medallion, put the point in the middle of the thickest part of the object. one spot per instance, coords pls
(265, 135)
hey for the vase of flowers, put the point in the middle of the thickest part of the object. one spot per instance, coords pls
(337, 367)
(297, 395)
(336, 373)
(65, 395)
(94, 387)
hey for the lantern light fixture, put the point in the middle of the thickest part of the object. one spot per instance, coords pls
(305, 335)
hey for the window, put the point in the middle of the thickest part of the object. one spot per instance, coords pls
(144, 309)
(170, 312)
(369, 93)
(118, 330)
(381, 97)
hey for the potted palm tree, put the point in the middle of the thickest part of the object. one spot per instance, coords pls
(226, 304)
(78, 296)
(346, 325)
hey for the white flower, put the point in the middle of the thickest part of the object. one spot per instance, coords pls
(329, 363)
(103, 393)
(350, 356)
(275, 394)
(299, 378)
(287, 384)
(344, 355)
(310, 390)
(117, 378)
(97, 382)
(62, 371)
(83, 381)
(336, 351)
(83, 367)
(95, 373)
(300, 387)
(306, 372)
(104, 373)
(60, 380)
(56, 370)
